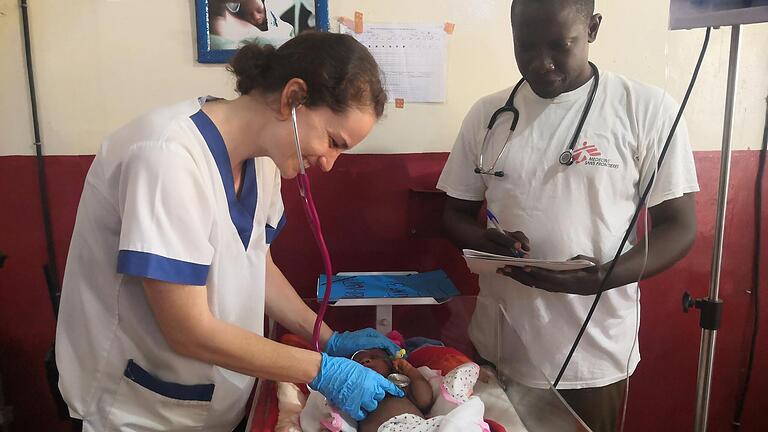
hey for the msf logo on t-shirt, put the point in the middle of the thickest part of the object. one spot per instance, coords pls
(589, 154)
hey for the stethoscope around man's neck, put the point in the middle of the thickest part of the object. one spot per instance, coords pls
(566, 157)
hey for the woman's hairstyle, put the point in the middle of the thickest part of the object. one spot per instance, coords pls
(339, 71)
(215, 8)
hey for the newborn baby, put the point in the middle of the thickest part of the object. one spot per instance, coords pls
(418, 394)
(431, 403)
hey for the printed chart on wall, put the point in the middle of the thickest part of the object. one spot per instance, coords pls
(411, 56)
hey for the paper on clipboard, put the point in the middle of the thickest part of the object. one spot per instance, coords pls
(484, 262)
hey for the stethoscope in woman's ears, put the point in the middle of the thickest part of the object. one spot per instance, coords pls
(566, 157)
(314, 224)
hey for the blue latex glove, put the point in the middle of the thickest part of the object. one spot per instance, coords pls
(351, 387)
(347, 343)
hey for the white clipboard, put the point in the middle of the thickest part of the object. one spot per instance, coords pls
(484, 262)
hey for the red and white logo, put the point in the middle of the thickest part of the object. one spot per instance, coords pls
(589, 155)
(586, 150)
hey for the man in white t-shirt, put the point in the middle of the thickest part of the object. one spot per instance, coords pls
(580, 206)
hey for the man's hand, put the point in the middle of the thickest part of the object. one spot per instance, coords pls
(509, 243)
(467, 232)
(671, 236)
(581, 282)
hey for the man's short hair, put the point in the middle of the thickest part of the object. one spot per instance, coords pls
(585, 8)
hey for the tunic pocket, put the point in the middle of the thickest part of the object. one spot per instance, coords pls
(144, 402)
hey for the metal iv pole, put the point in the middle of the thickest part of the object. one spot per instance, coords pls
(711, 307)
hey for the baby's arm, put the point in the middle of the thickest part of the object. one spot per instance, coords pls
(419, 392)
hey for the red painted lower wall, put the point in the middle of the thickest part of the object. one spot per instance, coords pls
(378, 214)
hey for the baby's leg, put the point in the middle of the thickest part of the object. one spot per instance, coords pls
(388, 409)
(456, 389)
(318, 416)
(410, 423)
(290, 403)
(466, 418)
(458, 383)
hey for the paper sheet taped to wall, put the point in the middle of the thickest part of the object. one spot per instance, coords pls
(411, 56)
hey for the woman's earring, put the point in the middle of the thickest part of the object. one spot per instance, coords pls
(232, 7)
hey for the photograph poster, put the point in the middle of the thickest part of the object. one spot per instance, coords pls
(225, 26)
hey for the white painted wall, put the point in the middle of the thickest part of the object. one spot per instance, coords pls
(99, 63)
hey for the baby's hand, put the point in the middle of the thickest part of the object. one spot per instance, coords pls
(402, 366)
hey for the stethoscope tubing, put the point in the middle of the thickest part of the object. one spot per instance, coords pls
(565, 158)
(314, 224)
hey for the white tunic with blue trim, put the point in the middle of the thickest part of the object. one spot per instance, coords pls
(159, 202)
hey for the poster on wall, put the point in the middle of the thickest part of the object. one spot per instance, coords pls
(412, 57)
(687, 14)
(225, 26)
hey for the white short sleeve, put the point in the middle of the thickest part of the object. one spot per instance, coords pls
(458, 178)
(167, 216)
(677, 175)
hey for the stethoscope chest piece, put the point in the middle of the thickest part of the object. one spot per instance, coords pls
(399, 380)
(566, 157)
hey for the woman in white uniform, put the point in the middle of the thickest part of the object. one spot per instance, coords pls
(169, 272)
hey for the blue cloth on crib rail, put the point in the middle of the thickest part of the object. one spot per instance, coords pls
(435, 284)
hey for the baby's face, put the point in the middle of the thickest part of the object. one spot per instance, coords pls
(375, 359)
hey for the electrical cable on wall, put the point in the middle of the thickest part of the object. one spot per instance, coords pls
(638, 209)
(757, 259)
(49, 269)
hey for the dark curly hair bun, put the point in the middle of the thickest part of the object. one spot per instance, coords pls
(339, 71)
(251, 65)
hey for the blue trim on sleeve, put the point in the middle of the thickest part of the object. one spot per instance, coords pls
(241, 211)
(195, 392)
(144, 264)
(272, 233)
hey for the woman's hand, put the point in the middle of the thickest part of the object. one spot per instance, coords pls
(347, 343)
(351, 387)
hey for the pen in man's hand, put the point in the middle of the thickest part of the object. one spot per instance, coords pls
(516, 253)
